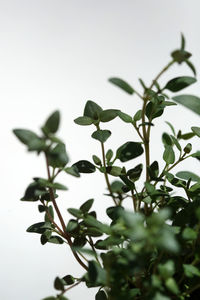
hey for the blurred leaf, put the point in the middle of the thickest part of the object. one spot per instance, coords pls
(100, 295)
(189, 101)
(83, 121)
(196, 130)
(191, 271)
(92, 110)
(73, 170)
(85, 207)
(25, 136)
(168, 155)
(69, 279)
(52, 123)
(108, 115)
(172, 286)
(57, 157)
(122, 84)
(171, 127)
(180, 55)
(188, 175)
(179, 83)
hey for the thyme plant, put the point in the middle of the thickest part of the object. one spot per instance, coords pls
(153, 251)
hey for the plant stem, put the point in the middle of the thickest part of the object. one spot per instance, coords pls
(134, 201)
(105, 172)
(65, 234)
(69, 288)
(161, 72)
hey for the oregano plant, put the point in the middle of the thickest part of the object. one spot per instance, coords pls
(151, 251)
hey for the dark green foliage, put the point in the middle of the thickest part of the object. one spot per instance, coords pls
(101, 135)
(179, 83)
(150, 251)
(129, 150)
(92, 110)
(52, 123)
(84, 166)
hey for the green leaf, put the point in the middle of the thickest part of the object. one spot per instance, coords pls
(116, 186)
(135, 173)
(84, 121)
(109, 155)
(59, 284)
(100, 296)
(101, 135)
(188, 175)
(171, 127)
(167, 269)
(180, 55)
(96, 274)
(196, 130)
(92, 110)
(124, 117)
(138, 115)
(189, 101)
(166, 139)
(40, 227)
(122, 84)
(191, 66)
(54, 239)
(33, 191)
(160, 296)
(69, 279)
(191, 271)
(45, 237)
(128, 151)
(176, 142)
(72, 171)
(189, 234)
(45, 183)
(172, 286)
(114, 212)
(168, 155)
(25, 136)
(179, 83)
(85, 207)
(108, 115)
(72, 226)
(96, 160)
(182, 42)
(84, 166)
(114, 171)
(36, 144)
(52, 123)
(51, 212)
(57, 157)
(153, 170)
(91, 221)
(75, 212)
(153, 111)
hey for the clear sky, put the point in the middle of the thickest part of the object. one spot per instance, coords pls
(57, 55)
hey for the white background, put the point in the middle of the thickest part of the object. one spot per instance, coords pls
(57, 55)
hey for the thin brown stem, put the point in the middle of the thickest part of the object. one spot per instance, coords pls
(65, 234)
(71, 287)
(105, 172)
(134, 201)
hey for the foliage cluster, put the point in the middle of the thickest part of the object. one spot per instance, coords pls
(153, 251)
